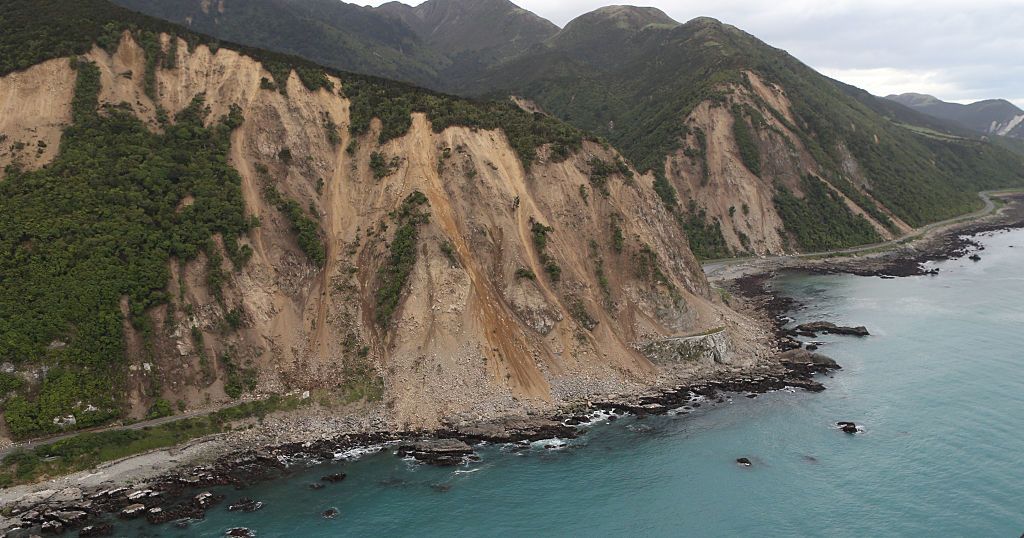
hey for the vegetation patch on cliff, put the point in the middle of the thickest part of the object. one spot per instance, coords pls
(392, 276)
(99, 224)
(821, 221)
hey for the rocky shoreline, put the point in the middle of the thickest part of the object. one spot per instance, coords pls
(183, 496)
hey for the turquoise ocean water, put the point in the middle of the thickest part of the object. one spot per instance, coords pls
(938, 388)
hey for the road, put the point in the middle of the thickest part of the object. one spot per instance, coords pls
(716, 269)
(41, 441)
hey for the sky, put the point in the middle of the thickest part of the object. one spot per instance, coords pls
(957, 50)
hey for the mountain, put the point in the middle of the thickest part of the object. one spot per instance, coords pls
(494, 29)
(751, 150)
(765, 154)
(992, 116)
(432, 44)
(329, 32)
(186, 221)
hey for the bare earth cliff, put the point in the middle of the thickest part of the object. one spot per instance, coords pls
(528, 289)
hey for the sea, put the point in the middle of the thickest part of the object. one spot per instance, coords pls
(938, 390)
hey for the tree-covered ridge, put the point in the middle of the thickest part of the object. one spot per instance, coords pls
(97, 225)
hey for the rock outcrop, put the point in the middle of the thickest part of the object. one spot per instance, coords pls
(824, 327)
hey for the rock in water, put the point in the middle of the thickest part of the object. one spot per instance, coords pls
(99, 529)
(744, 462)
(245, 505)
(330, 513)
(848, 427)
(437, 451)
(812, 329)
(336, 477)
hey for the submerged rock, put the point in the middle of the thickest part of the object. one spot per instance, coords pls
(330, 513)
(745, 462)
(99, 529)
(334, 478)
(245, 504)
(241, 532)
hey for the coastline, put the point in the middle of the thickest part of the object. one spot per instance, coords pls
(174, 476)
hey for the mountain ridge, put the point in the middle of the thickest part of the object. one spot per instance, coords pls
(990, 116)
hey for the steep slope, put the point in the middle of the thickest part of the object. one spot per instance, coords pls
(222, 221)
(797, 161)
(767, 154)
(329, 32)
(992, 116)
(488, 30)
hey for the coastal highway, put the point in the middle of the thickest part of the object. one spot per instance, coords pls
(723, 268)
(41, 441)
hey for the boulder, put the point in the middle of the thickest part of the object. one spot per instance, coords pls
(787, 343)
(68, 517)
(803, 357)
(52, 527)
(206, 499)
(330, 513)
(745, 462)
(240, 532)
(133, 511)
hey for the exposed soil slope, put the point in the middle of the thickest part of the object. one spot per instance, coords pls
(527, 288)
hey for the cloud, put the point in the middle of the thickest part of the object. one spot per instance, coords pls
(954, 49)
(888, 80)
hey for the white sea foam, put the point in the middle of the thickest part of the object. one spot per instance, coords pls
(358, 452)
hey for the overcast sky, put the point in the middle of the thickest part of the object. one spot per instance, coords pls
(954, 49)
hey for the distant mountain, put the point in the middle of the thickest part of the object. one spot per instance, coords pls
(329, 32)
(992, 116)
(494, 28)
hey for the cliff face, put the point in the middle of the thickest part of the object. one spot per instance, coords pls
(710, 168)
(35, 105)
(522, 289)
